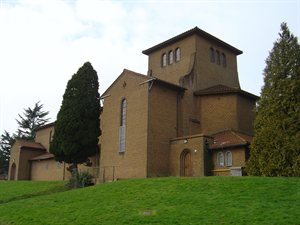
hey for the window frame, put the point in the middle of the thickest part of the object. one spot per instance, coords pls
(177, 54)
(170, 57)
(122, 128)
(212, 55)
(229, 163)
(164, 60)
(220, 159)
(218, 59)
(223, 59)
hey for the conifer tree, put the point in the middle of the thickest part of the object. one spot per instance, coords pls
(31, 120)
(6, 141)
(77, 128)
(275, 150)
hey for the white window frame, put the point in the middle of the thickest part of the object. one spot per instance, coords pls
(228, 158)
(220, 159)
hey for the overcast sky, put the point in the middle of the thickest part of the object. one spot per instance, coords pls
(43, 43)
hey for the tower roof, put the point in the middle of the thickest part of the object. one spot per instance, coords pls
(194, 31)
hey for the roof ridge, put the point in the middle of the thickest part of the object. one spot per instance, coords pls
(123, 72)
(238, 136)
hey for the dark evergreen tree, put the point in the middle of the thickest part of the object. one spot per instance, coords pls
(275, 150)
(77, 128)
(32, 119)
(6, 141)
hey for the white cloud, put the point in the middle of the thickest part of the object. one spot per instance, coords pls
(44, 42)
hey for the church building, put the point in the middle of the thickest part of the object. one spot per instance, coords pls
(187, 117)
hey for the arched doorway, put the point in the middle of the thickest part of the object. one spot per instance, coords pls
(186, 163)
(13, 172)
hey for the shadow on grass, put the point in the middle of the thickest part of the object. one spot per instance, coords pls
(40, 193)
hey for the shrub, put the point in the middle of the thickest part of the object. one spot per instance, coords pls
(80, 180)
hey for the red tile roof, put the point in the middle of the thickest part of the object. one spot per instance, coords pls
(29, 144)
(230, 138)
(222, 89)
(44, 156)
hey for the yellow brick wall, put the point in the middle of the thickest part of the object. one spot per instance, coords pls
(195, 60)
(24, 163)
(238, 157)
(131, 163)
(173, 72)
(246, 114)
(190, 120)
(14, 158)
(210, 74)
(47, 169)
(162, 127)
(44, 135)
(196, 146)
(218, 113)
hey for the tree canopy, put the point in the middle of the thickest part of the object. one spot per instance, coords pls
(31, 120)
(77, 128)
(275, 150)
(28, 123)
(6, 141)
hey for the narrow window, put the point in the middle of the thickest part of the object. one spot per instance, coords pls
(177, 54)
(170, 57)
(220, 158)
(164, 60)
(228, 158)
(223, 60)
(122, 127)
(218, 57)
(212, 55)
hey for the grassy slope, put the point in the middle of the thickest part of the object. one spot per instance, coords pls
(207, 200)
(11, 191)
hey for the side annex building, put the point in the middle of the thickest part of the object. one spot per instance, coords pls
(187, 117)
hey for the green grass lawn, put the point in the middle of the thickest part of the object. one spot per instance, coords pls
(206, 200)
(11, 191)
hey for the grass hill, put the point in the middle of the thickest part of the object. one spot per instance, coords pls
(205, 200)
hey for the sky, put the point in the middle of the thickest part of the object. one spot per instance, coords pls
(44, 42)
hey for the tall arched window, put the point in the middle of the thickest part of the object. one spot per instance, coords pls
(170, 57)
(228, 158)
(122, 128)
(212, 55)
(220, 159)
(164, 60)
(223, 60)
(177, 54)
(218, 57)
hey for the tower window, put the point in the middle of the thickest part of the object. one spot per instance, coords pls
(170, 57)
(164, 60)
(212, 55)
(218, 57)
(223, 60)
(177, 54)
